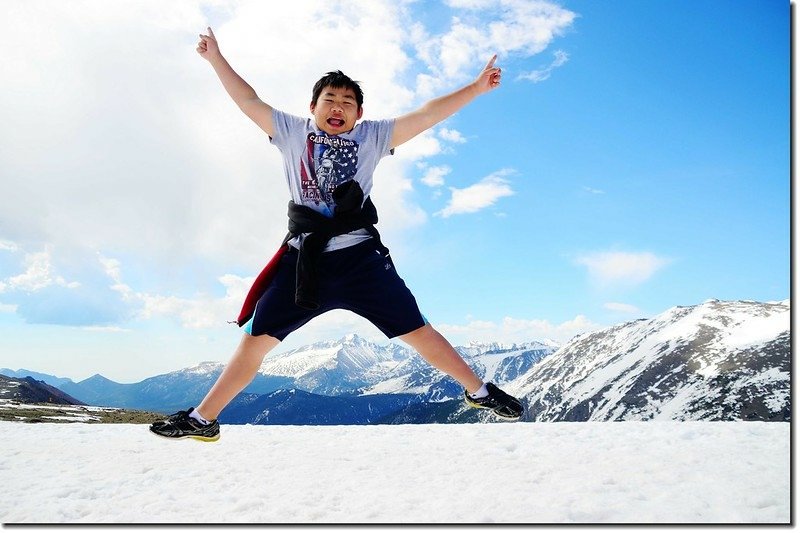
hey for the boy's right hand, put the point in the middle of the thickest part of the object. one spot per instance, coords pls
(207, 47)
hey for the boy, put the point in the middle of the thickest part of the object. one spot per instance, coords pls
(333, 257)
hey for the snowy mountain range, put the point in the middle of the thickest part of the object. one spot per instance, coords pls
(714, 361)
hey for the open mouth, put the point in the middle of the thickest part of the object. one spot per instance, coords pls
(336, 122)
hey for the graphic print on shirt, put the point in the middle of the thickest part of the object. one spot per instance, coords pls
(329, 162)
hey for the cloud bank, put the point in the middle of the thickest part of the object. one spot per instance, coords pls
(122, 142)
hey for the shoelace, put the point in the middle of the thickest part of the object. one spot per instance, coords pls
(177, 417)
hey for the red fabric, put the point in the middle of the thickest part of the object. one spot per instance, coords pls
(260, 286)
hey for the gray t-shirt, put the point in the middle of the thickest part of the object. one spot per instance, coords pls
(315, 163)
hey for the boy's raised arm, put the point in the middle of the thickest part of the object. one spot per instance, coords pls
(238, 89)
(409, 126)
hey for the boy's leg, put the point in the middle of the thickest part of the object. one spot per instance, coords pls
(238, 373)
(437, 351)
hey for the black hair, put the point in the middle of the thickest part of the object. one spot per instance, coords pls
(337, 79)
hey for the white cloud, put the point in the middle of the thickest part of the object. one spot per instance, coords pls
(478, 196)
(434, 176)
(8, 246)
(454, 136)
(202, 311)
(39, 274)
(484, 27)
(198, 312)
(626, 268)
(622, 308)
(544, 73)
(111, 267)
(134, 143)
(516, 330)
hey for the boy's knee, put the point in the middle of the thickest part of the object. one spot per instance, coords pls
(424, 336)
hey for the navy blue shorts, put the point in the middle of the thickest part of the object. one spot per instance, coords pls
(357, 278)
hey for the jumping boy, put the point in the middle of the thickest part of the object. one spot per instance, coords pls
(333, 257)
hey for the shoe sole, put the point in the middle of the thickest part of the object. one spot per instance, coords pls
(498, 415)
(215, 438)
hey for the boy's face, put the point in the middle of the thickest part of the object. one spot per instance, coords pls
(336, 110)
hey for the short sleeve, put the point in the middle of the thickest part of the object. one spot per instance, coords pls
(286, 126)
(385, 130)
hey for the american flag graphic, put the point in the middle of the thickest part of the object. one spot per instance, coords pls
(329, 161)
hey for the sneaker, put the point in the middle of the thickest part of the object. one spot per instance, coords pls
(182, 426)
(502, 404)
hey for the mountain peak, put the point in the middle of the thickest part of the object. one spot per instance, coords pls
(719, 360)
(206, 367)
(98, 377)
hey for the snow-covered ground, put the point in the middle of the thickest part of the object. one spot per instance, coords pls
(589, 472)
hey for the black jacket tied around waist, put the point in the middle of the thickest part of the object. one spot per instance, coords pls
(352, 212)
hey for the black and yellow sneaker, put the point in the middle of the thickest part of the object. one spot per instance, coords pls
(182, 426)
(502, 404)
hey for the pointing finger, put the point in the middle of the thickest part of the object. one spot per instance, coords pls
(211, 32)
(490, 64)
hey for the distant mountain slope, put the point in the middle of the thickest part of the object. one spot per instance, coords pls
(495, 362)
(714, 361)
(29, 390)
(297, 407)
(38, 376)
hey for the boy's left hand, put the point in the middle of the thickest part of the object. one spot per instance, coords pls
(489, 78)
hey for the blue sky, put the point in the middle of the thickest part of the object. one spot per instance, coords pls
(636, 157)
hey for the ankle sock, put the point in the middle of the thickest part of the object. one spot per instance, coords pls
(194, 414)
(480, 393)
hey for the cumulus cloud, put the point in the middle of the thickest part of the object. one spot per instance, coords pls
(42, 294)
(544, 73)
(454, 136)
(39, 274)
(200, 311)
(624, 268)
(516, 330)
(134, 142)
(479, 196)
(434, 176)
(482, 28)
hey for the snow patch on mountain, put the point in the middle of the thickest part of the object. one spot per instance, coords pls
(715, 361)
(205, 368)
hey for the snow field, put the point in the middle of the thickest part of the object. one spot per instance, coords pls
(590, 472)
